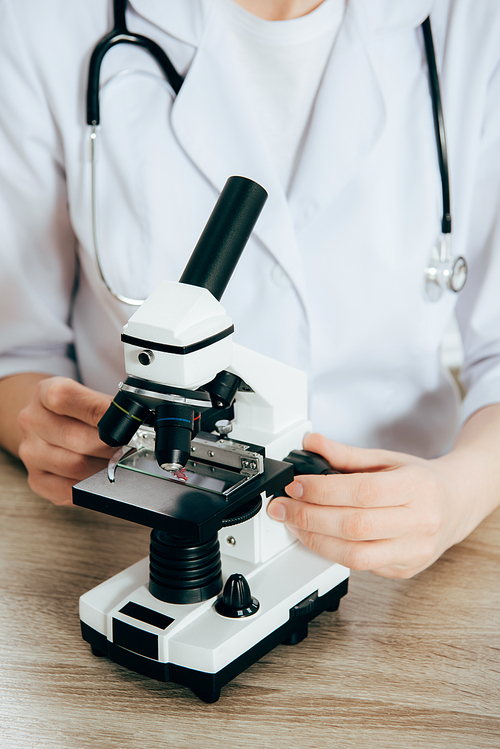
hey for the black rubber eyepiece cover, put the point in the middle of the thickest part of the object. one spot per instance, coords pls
(225, 235)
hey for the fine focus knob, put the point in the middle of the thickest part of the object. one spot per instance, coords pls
(223, 427)
(236, 601)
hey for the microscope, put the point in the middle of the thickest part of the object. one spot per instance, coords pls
(206, 433)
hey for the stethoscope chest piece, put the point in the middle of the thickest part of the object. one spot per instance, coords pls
(444, 272)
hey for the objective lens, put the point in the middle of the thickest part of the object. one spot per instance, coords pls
(121, 421)
(174, 430)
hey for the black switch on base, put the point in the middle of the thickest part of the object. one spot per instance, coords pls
(236, 601)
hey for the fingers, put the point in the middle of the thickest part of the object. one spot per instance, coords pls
(349, 459)
(381, 556)
(69, 398)
(64, 413)
(387, 512)
(385, 489)
(49, 486)
(62, 431)
(347, 523)
(356, 556)
(53, 471)
(61, 444)
(56, 460)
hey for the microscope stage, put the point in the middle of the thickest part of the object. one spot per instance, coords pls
(186, 511)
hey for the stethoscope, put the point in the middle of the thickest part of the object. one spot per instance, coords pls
(443, 272)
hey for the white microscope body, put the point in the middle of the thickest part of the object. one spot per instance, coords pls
(177, 343)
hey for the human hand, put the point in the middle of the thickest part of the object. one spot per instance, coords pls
(387, 512)
(60, 444)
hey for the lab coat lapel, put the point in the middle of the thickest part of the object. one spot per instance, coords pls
(215, 125)
(214, 121)
(181, 19)
(349, 113)
(348, 120)
(386, 16)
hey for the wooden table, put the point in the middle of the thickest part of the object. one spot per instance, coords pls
(402, 663)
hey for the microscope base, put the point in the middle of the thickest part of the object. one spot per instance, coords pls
(208, 686)
(192, 644)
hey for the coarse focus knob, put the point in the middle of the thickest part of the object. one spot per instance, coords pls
(306, 606)
(236, 601)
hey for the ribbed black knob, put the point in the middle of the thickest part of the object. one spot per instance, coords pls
(182, 571)
(236, 601)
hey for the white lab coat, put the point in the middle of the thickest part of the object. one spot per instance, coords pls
(332, 279)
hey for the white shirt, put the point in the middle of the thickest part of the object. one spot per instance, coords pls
(331, 279)
(283, 63)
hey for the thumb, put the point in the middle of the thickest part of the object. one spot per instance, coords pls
(69, 398)
(348, 459)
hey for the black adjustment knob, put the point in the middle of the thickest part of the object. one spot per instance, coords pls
(306, 606)
(306, 462)
(236, 601)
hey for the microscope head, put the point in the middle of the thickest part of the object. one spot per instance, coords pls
(181, 338)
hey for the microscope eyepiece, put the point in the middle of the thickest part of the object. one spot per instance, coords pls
(225, 235)
(174, 427)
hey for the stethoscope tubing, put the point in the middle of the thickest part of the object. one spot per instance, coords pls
(437, 110)
(93, 188)
(121, 35)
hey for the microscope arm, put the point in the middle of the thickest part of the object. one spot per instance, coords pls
(271, 410)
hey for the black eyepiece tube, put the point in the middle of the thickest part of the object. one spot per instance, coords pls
(225, 235)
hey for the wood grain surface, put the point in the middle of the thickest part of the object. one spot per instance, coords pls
(411, 663)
